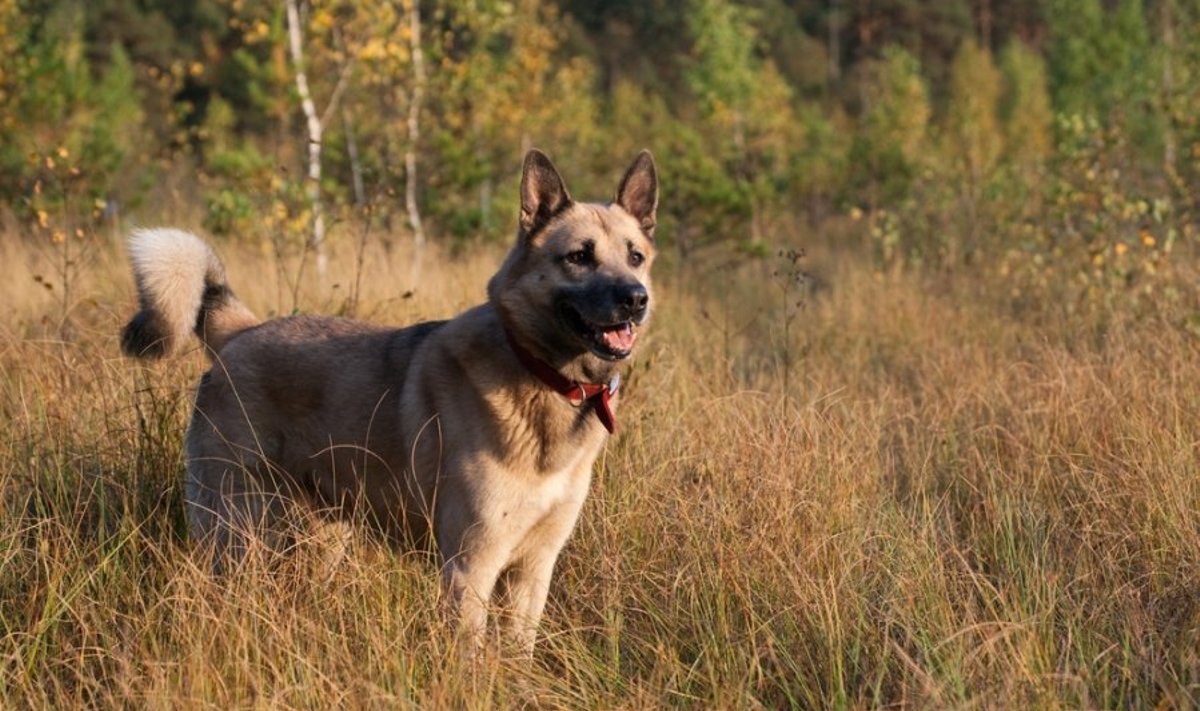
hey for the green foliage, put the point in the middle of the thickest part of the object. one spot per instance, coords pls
(1063, 207)
(1100, 64)
(723, 72)
(1107, 242)
(1079, 67)
(745, 104)
(973, 141)
(821, 149)
(1025, 111)
(764, 114)
(892, 139)
(56, 103)
(504, 85)
(708, 201)
(115, 123)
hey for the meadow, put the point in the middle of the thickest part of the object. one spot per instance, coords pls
(878, 488)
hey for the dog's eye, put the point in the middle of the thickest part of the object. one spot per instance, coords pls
(579, 257)
(636, 259)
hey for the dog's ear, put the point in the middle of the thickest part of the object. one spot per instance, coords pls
(638, 192)
(543, 193)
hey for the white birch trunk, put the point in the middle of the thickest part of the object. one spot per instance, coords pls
(316, 240)
(414, 135)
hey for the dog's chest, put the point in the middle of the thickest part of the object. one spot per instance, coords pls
(522, 501)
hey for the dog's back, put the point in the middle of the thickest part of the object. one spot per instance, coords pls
(312, 403)
(307, 406)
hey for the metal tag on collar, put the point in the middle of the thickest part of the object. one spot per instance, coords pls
(615, 384)
(576, 395)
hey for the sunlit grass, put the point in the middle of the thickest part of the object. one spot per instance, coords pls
(949, 507)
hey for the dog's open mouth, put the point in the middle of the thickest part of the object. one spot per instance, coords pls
(612, 341)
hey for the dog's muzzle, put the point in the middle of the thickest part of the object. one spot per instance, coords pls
(606, 321)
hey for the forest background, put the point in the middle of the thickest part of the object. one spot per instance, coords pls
(961, 131)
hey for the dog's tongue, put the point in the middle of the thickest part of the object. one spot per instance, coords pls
(618, 338)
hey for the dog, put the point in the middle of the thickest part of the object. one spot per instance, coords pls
(477, 434)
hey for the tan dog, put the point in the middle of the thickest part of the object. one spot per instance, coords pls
(480, 431)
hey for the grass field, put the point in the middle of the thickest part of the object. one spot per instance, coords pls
(912, 492)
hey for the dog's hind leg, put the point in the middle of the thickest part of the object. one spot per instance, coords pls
(235, 513)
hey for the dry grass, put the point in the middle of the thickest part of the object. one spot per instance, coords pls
(953, 507)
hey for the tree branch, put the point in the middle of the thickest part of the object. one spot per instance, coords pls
(338, 90)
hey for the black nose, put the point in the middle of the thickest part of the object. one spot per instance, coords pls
(633, 300)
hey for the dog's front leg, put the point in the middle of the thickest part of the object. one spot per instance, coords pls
(468, 583)
(528, 585)
(473, 558)
(528, 580)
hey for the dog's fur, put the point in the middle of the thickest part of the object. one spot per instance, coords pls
(436, 429)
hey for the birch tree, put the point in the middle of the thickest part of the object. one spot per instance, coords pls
(314, 123)
(415, 98)
(414, 125)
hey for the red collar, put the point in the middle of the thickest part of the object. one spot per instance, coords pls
(575, 392)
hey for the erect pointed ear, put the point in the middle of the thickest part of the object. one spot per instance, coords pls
(638, 192)
(543, 193)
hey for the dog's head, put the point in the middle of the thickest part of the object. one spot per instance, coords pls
(576, 286)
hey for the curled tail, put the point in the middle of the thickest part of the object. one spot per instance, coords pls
(181, 290)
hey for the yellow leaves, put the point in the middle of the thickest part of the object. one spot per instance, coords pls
(379, 49)
(322, 19)
(43, 219)
(299, 224)
(258, 31)
(372, 50)
(1147, 239)
(1121, 248)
